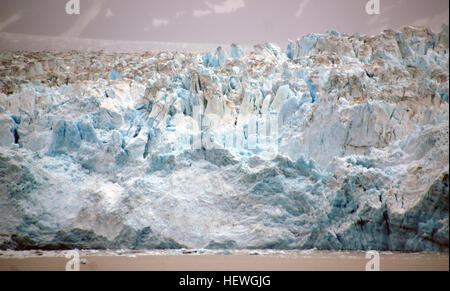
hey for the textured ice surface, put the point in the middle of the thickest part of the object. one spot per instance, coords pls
(340, 142)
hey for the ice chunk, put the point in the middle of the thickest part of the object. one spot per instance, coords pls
(236, 51)
(114, 75)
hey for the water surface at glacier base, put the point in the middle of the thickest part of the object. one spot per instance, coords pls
(223, 260)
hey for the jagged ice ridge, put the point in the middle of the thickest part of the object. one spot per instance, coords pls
(340, 142)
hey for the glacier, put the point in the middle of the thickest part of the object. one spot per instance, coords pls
(339, 142)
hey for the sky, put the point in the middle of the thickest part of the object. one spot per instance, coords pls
(215, 21)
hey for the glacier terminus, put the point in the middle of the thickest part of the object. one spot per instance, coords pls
(338, 142)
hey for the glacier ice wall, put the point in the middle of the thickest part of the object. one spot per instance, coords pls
(339, 142)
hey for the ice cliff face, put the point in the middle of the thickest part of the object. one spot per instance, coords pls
(339, 142)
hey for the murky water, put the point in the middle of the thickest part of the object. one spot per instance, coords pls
(225, 260)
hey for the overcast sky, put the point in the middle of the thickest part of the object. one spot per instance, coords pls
(214, 21)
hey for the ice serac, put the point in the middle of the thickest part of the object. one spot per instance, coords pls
(340, 142)
(236, 51)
